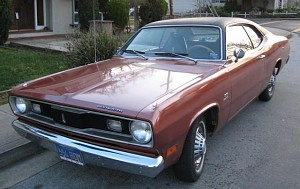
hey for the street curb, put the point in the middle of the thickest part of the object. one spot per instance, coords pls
(19, 153)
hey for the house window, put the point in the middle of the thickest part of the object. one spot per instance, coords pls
(75, 12)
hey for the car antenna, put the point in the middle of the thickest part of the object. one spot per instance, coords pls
(94, 33)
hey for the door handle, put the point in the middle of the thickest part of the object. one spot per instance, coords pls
(261, 56)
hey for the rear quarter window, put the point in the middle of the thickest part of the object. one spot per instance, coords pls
(255, 36)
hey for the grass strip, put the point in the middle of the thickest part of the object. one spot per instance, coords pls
(20, 65)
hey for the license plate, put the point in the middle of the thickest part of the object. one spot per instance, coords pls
(70, 154)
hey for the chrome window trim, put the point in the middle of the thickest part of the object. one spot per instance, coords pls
(188, 25)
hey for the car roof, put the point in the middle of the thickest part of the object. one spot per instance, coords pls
(221, 22)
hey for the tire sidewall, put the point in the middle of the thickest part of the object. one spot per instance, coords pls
(267, 94)
(185, 169)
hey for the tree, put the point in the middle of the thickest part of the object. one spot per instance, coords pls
(5, 20)
(85, 12)
(136, 4)
(265, 5)
(102, 7)
(171, 7)
(231, 6)
(153, 10)
(118, 11)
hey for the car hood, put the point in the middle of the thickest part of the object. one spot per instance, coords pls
(119, 85)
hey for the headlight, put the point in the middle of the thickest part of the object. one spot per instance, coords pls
(141, 131)
(21, 105)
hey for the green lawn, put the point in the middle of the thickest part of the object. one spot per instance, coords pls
(18, 66)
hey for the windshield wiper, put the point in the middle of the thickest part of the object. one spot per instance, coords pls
(176, 54)
(136, 52)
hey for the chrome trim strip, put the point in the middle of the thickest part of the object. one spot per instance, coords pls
(92, 154)
(66, 109)
(73, 109)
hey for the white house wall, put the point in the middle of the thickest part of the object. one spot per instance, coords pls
(61, 16)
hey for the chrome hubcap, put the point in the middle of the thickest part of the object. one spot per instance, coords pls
(200, 146)
(272, 82)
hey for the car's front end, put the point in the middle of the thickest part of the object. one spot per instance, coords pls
(106, 117)
(79, 136)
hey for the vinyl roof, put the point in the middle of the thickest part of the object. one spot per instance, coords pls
(221, 22)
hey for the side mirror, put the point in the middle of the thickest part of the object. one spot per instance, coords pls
(238, 54)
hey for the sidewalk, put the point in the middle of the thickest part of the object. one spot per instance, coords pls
(13, 147)
(8, 138)
(54, 42)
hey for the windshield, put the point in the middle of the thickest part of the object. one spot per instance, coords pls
(198, 42)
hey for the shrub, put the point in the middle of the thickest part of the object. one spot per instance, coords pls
(102, 8)
(118, 11)
(82, 50)
(5, 20)
(85, 13)
(221, 11)
(152, 10)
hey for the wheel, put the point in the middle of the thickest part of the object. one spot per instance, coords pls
(268, 93)
(190, 165)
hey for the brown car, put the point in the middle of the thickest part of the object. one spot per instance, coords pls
(155, 102)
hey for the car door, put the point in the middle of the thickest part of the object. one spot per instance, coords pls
(246, 73)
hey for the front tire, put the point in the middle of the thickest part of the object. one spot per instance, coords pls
(268, 93)
(190, 165)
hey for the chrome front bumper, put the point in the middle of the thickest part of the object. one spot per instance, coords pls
(92, 154)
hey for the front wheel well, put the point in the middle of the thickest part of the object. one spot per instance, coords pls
(278, 67)
(211, 117)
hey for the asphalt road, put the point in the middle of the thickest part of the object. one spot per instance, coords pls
(259, 148)
(292, 25)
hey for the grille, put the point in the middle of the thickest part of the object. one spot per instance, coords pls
(91, 125)
(80, 119)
